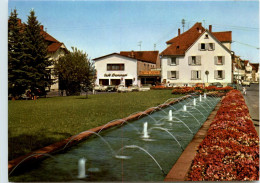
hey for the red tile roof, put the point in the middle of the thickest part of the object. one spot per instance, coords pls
(48, 37)
(223, 36)
(53, 47)
(255, 67)
(147, 56)
(179, 44)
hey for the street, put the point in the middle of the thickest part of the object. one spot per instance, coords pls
(252, 101)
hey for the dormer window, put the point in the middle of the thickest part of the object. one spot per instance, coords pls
(178, 47)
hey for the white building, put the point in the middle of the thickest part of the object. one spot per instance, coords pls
(125, 67)
(198, 51)
(115, 69)
(55, 50)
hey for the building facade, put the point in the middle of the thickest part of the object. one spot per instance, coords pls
(125, 68)
(55, 50)
(197, 56)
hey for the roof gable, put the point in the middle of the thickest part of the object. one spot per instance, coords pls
(111, 54)
(180, 44)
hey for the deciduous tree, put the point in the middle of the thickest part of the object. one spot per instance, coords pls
(75, 72)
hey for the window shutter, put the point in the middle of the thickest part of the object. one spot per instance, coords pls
(177, 61)
(199, 46)
(216, 60)
(213, 47)
(206, 46)
(177, 74)
(169, 74)
(215, 74)
(169, 61)
(223, 74)
(223, 60)
(198, 60)
(189, 59)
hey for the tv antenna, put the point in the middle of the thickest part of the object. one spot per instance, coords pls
(183, 24)
(140, 44)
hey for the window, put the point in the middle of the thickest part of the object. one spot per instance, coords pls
(206, 36)
(195, 75)
(194, 60)
(202, 46)
(211, 46)
(173, 75)
(173, 61)
(115, 67)
(219, 74)
(219, 60)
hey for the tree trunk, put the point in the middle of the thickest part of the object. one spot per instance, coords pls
(86, 93)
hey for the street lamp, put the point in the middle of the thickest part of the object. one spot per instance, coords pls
(207, 73)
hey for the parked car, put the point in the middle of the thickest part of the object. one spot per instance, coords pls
(145, 87)
(133, 88)
(121, 88)
(233, 85)
(246, 83)
(111, 88)
(100, 88)
(217, 84)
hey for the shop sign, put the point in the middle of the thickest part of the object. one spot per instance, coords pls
(115, 75)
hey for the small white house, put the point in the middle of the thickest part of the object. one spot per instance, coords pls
(197, 56)
(128, 68)
(116, 69)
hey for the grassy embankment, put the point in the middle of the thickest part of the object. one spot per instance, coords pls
(35, 124)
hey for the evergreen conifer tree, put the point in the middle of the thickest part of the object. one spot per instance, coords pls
(36, 56)
(17, 79)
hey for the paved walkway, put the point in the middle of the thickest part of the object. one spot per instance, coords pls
(252, 101)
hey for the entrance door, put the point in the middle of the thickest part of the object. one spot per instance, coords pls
(104, 82)
(128, 82)
(115, 82)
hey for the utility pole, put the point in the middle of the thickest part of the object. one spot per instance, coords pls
(183, 24)
(140, 44)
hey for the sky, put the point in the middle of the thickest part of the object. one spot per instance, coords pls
(103, 27)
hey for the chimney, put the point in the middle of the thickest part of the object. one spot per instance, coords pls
(41, 26)
(210, 28)
(179, 31)
(132, 54)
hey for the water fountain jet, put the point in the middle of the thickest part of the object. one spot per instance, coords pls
(145, 131)
(82, 168)
(170, 115)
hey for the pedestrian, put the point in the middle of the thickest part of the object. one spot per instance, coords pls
(244, 90)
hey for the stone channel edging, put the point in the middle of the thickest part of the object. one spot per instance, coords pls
(58, 146)
(181, 168)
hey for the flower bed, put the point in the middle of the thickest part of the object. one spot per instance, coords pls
(230, 151)
(187, 90)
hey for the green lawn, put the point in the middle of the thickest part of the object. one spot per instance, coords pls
(35, 124)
